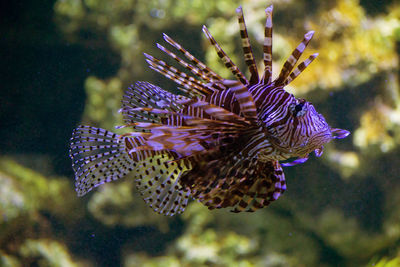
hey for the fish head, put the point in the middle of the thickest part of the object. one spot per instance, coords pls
(313, 131)
(302, 129)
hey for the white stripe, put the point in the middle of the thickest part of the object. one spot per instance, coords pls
(301, 47)
(267, 41)
(292, 60)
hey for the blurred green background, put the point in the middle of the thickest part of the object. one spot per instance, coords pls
(68, 62)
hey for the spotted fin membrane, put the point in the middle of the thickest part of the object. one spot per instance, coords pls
(158, 183)
(98, 157)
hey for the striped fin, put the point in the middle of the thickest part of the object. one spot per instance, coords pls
(206, 70)
(227, 119)
(141, 100)
(248, 52)
(157, 180)
(260, 192)
(98, 156)
(196, 71)
(297, 161)
(145, 94)
(249, 193)
(293, 58)
(215, 111)
(156, 111)
(299, 69)
(187, 140)
(185, 147)
(216, 127)
(177, 76)
(235, 180)
(227, 61)
(267, 47)
(186, 89)
(245, 99)
(339, 133)
(133, 142)
(131, 113)
(212, 84)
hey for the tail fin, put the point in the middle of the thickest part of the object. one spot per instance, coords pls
(98, 156)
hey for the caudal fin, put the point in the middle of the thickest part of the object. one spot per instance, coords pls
(98, 156)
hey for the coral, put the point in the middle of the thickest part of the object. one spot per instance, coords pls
(45, 252)
(119, 204)
(345, 235)
(9, 261)
(220, 239)
(379, 129)
(26, 197)
(209, 247)
(352, 47)
(24, 191)
(387, 263)
(104, 98)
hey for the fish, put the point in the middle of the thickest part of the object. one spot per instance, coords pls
(218, 141)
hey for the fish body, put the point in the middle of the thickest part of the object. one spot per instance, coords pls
(219, 142)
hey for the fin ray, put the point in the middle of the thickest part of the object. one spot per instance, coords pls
(299, 69)
(225, 58)
(206, 70)
(293, 58)
(267, 47)
(248, 51)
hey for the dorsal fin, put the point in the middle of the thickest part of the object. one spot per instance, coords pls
(147, 95)
(299, 69)
(248, 52)
(203, 67)
(293, 58)
(225, 58)
(195, 70)
(192, 86)
(267, 48)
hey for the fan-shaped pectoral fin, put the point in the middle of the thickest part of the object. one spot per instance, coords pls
(267, 186)
(250, 191)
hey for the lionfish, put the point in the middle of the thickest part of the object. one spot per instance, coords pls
(218, 141)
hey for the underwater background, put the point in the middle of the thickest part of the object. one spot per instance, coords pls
(67, 62)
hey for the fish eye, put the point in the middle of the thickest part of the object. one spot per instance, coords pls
(298, 108)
